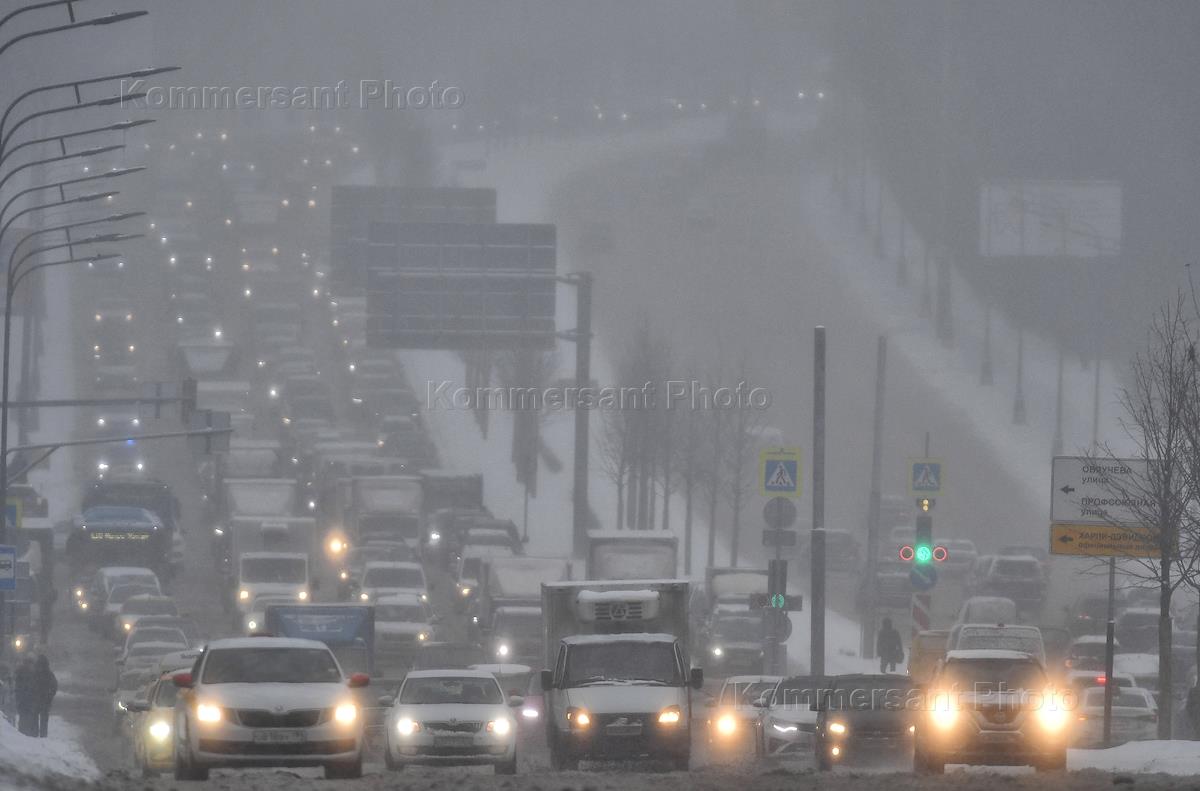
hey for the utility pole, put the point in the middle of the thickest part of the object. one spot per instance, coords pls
(583, 376)
(817, 643)
(867, 586)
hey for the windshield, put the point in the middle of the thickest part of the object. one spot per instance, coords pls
(738, 630)
(154, 649)
(390, 525)
(277, 665)
(1016, 568)
(165, 696)
(132, 681)
(1004, 639)
(121, 593)
(594, 663)
(638, 561)
(113, 513)
(519, 624)
(470, 689)
(286, 570)
(156, 634)
(261, 498)
(868, 695)
(399, 613)
(992, 675)
(156, 606)
(393, 577)
(1088, 650)
(470, 567)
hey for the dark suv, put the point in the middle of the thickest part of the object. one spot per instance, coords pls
(992, 708)
(864, 720)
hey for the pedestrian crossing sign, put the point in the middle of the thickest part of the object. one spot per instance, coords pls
(925, 477)
(779, 472)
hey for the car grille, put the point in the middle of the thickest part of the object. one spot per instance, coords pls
(454, 727)
(258, 718)
(329, 747)
(999, 714)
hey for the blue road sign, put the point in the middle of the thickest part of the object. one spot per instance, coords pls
(923, 577)
(780, 476)
(925, 477)
(8, 568)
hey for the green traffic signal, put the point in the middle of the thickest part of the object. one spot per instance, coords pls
(779, 601)
(923, 553)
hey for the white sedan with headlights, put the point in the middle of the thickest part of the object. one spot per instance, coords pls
(268, 701)
(451, 717)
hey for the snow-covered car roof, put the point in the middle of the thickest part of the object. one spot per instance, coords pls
(1092, 639)
(503, 669)
(1139, 611)
(464, 673)
(968, 654)
(1022, 558)
(123, 571)
(519, 610)
(263, 642)
(403, 599)
(288, 555)
(391, 564)
(631, 637)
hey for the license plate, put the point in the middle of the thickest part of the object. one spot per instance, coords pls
(624, 730)
(278, 737)
(453, 741)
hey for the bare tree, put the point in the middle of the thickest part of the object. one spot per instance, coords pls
(739, 462)
(613, 454)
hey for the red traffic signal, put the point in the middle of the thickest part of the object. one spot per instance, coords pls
(907, 552)
(940, 554)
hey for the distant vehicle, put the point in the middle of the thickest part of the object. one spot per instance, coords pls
(990, 707)
(402, 622)
(388, 578)
(144, 604)
(109, 613)
(1081, 680)
(631, 555)
(961, 554)
(732, 715)
(1137, 629)
(1134, 717)
(864, 720)
(735, 641)
(153, 745)
(433, 655)
(280, 573)
(515, 635)
(1089, 614)
(451, 717)
(1016, 577)
(131, 686)
(1023, 639)
(987, 609)
(154, 634)
(291, 689)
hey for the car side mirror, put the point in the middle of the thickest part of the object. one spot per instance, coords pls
(697, 678)
(547, 679)
(711, 703)
(183, 680)
(137, 706)
(515, 700)
(358, 681)
(762, 701)
(387, 701)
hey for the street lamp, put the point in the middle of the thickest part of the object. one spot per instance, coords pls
(85, 153)
(108, 174)
(100, 20)
(88, 198)
(129, 215)
(140, 74)
(37, 6)
(122, 126)
(107, 101)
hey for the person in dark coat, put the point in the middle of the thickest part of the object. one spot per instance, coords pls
(23, 681)
(888, 647)
(45, 687)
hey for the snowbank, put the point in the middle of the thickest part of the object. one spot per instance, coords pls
(1175, 757)
(59, 754)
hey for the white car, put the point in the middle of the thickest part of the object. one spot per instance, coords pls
(268, 701)
(401, 624)
(256, 619)
(1134, 716)
(388, 577)
(451, 718)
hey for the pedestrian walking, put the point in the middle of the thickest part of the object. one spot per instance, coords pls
(888, 647)
(45, 687)
(26, 707)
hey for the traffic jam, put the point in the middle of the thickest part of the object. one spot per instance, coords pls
(540, 422)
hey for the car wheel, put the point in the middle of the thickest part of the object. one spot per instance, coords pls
(351, 770)
(927, 765)
(508, 767)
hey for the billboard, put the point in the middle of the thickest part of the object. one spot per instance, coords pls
(1044, 218)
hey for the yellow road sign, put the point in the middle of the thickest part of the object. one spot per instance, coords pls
(1102, 541)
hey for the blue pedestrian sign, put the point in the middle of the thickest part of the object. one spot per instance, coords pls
(925, 477)
(923, 578)
(8, 568)
(779, 472)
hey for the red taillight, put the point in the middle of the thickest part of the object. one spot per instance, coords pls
(1101, 680)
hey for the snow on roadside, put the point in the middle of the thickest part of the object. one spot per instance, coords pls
(1176, 757)
(24, 759)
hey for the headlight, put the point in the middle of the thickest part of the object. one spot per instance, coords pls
(499, 727)
(1052, 714)
(79, 593)
(422, 636)
(435, 537)
(718, 651)
(406, 727)
(670, 716)
(345, 714)
(837, 727)
(127, 626)
(312, 505)
(273, 393)
(244, 595)
(302, 595)
(726, 724)
(465, 591)
(578, 718)
(218, 532)
(252, 625)
(336, 545)
(364, 596)
(425, 597)
(944, 714)
(345, 575)
(208, 713)
(784, 727)
(502, 650)
(159, 730)
(529, 714)
(83, 605)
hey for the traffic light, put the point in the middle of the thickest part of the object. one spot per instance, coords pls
(923, 545)
(925, 504)
(777, 583)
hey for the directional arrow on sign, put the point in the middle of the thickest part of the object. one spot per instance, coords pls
(1067, 489)
(1065, 539)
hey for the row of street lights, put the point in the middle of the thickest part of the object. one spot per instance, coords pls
(24, 260)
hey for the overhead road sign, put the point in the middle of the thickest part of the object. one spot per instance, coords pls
(457, 286)
(779, 472)
(364, 215)
(925, 477)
